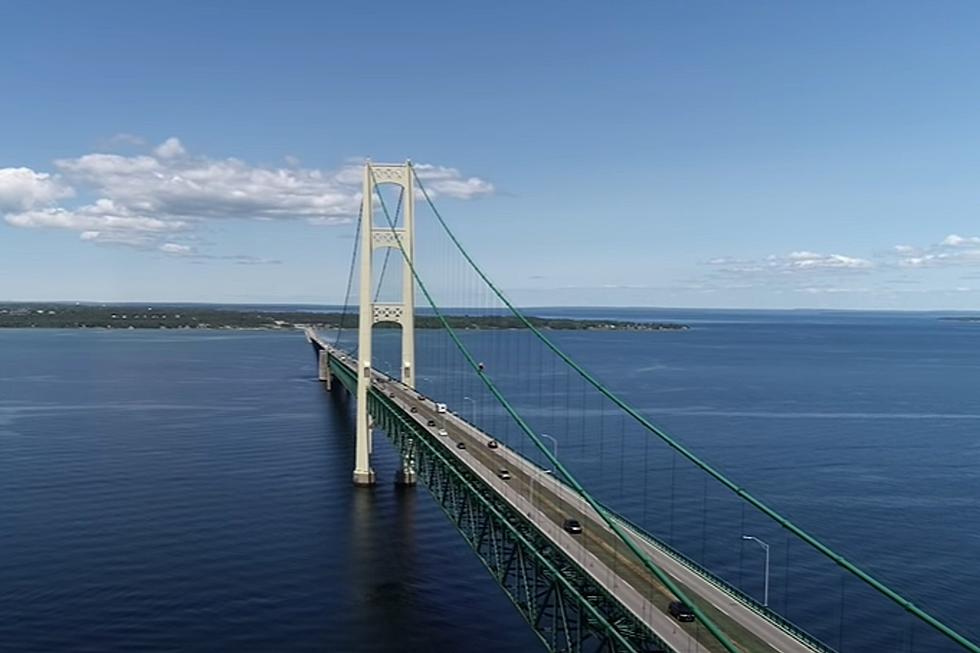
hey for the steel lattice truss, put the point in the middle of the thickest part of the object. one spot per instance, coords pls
(568, 611)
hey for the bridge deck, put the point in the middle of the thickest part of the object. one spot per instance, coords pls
(597, 549)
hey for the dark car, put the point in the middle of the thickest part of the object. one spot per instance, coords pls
(681, 611)
(413, 409)
(420, 397)
(391, 394)
(572, 526)
(492, 444)
(431, 422)
(460, 445)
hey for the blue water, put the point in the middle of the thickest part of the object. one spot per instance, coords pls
(191, 490)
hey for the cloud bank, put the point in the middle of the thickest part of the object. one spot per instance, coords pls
(952, 251)
(801, 261)
(156, 200)
(892, 272)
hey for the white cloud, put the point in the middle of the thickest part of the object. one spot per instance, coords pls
(440, 180)
(953, 250)
(175, 248)
(954, 240)
(170, 148)
(800, 261)
(102, 222)
(103, 215)
(199, 187)
(22, 189)
(811, 260)
(146, 196)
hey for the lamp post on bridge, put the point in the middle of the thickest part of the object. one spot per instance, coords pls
(473, 401)
(765, 596)
(533, 479)
(553, 440)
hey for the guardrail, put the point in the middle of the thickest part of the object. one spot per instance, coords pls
(737, 594)
(732, 591)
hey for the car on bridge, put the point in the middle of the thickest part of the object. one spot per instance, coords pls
(431, 422)
(413, 409)
(443, 432)
(681, 611)
(572, 526)
(492, 444)
(460, 445)
(504, 475)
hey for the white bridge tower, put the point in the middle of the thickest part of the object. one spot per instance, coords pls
(374, 237)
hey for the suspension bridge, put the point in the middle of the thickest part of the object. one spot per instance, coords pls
(619, 540)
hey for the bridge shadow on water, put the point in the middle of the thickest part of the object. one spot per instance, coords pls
(413, 584)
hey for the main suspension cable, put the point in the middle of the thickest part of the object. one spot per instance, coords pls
(350, 273)
(690, 456)
(539, 443)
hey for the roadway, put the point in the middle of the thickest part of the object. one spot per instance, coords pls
(548, 502)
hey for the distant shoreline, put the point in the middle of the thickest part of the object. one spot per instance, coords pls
(174, 316)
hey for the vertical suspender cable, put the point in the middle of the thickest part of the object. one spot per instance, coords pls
(711, 471)
(350, 274)
(617, 529)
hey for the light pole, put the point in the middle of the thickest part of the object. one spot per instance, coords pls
(473, 401)
(552, 438)
(533, 478)
(765, 596)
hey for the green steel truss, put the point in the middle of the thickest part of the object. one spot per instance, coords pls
(567, 610)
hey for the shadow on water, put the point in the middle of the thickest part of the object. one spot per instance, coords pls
(200, 499)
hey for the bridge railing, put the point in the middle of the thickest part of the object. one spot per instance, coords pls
(496, 531)
(505, 379)
(720, 584)
(729, 589)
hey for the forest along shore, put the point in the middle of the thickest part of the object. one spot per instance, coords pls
(175, 316)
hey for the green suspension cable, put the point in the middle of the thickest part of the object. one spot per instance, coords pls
(734, 487)
(350, 273)
(523, 426)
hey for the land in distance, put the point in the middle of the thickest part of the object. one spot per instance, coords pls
(175, 316)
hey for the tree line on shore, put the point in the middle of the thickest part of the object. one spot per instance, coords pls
(125, 316)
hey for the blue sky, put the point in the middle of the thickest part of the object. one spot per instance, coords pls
(761, 155)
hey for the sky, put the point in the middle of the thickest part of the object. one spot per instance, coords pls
(696, 154)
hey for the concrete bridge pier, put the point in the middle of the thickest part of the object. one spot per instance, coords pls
(363, 472)
(364, 479)
(406, 475)
(324, 369)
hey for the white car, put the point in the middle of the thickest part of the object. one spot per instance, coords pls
(440, 408)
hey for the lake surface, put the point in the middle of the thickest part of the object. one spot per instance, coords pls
(191, 490)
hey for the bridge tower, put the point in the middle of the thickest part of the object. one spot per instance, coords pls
(376, 237)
